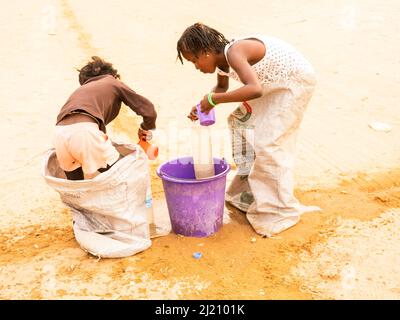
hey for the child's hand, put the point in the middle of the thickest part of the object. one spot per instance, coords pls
(145, 135)
(193, 114)
(205, 105)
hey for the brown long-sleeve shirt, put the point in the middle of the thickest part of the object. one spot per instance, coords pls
(101, 96)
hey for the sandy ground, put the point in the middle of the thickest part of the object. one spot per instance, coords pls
(349, 250)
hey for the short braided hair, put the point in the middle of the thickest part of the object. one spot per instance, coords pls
(200, 38)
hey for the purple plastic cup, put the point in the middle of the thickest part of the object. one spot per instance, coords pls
(195, 207)
(206, 119)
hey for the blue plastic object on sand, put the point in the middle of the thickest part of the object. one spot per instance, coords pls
(197, 255)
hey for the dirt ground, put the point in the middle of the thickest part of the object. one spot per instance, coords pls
(349, 250)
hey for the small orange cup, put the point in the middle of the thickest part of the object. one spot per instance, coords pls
(151, 151)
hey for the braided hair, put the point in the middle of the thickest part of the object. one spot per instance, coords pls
(96, 67)
(200, 38)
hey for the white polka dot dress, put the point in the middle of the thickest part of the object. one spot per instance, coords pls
(281, 64)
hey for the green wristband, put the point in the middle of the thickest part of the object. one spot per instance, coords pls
(210, 100)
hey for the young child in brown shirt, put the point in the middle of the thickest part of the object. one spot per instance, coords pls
(81, 144)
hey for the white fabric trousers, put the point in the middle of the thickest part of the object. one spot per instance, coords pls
(264, 141)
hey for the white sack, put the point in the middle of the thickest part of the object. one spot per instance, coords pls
(264, 141)
(109, 212)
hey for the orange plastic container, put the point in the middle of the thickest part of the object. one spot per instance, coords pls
(151, 150)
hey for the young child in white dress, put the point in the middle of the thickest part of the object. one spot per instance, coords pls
(278, 83)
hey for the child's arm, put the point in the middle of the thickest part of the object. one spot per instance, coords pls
(140, 105)
(222, 84)
(239, 54)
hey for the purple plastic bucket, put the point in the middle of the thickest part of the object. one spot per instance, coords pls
(196, 207)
